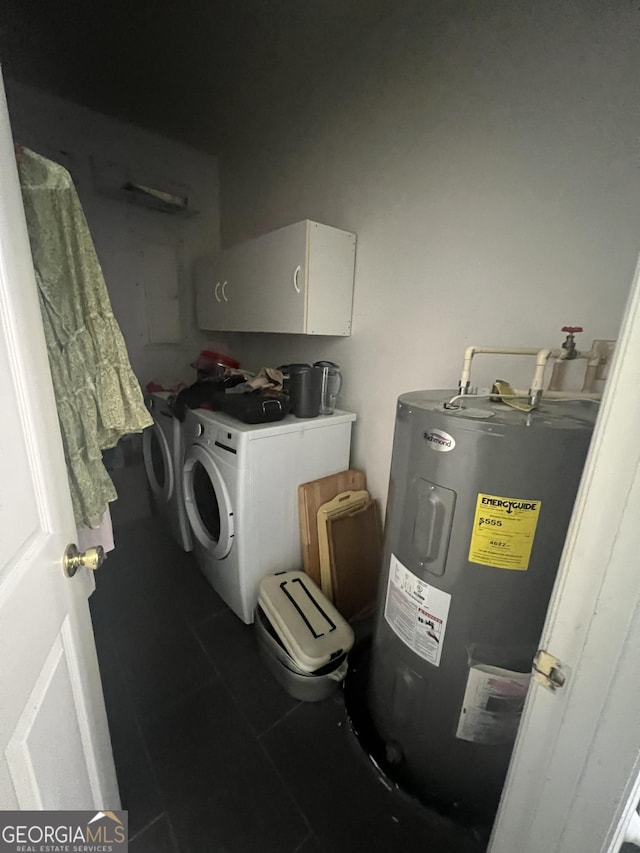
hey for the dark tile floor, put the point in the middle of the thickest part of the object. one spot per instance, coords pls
(212, 756)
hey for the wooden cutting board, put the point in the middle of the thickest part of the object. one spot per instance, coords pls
(311, 496)
(341, 504)
(355, 552)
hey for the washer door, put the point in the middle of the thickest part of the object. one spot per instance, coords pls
(207, 502)
(158, 462)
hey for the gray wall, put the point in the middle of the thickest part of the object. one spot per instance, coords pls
(486, 156)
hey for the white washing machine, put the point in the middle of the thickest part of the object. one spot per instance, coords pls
(241, 494)
(163, 449)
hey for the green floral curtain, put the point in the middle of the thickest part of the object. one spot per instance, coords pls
(97, 394)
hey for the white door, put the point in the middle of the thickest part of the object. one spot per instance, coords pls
(55, 751)
(573, 783)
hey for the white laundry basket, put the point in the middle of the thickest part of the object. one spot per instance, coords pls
(302, 638)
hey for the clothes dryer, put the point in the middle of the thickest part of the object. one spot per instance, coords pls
(241, 494)
(163, 451)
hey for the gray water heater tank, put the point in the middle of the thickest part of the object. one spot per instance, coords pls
(479, 504)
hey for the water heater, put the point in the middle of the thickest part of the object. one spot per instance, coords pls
(479, 503)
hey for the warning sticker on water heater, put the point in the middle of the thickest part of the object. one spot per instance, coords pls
(416, 611)
(492, 704)
(503, 531)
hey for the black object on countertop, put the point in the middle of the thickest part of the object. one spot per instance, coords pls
(251, 407)
(200, 392)
(305, 389)
(261, 406)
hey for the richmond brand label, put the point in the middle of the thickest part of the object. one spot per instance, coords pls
(439, 440)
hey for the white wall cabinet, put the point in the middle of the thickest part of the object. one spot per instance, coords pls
(298, 279)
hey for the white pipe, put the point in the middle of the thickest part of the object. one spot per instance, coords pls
(542, 357)
(470, 351)
(590, 373)
(593, 360)
(590, 355)
(557, 395)
(555, 383)
(519, 393)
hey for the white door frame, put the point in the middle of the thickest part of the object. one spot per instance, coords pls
(573, 780)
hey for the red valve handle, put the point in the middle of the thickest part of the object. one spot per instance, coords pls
(571, 329)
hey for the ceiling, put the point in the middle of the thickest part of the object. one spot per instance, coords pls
(183, 69)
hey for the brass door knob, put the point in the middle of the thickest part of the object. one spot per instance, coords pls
(92, 559)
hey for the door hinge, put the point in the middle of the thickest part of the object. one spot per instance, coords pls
(548, 670)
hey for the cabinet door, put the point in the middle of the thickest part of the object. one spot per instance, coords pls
(298, 279)
(217, 298)
(274, 280)
(332, 255)
(240, 308)
(208, 300)
(223, 293)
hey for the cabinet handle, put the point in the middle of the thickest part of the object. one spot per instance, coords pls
(215, 292)
(296, 286)
(224, 292)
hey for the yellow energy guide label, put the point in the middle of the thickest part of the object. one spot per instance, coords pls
(503, 531)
